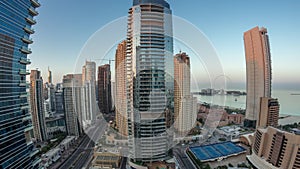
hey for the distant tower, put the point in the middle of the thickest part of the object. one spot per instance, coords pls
(72, 85)
(120, 82)
(185, 105)
(49, 76)
(258, 63)
(37, 106)
(89, 103)
(104, 88)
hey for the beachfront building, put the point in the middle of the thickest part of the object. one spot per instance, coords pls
(258, 64)
(275, 149)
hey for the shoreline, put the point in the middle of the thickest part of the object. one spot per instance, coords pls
(285, 119)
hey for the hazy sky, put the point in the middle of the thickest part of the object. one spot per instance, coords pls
(64, 26)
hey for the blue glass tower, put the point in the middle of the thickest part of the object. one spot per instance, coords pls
(16, 148)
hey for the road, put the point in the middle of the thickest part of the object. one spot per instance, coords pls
(182, 159)
(84, 152)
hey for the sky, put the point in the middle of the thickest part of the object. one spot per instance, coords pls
(64, 27)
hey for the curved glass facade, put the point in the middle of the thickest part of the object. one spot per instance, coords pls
(16, 148)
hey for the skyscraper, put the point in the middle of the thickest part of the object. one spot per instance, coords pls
(37, 106)
(120, 78)
(185, 105)
(89, 93)
(148, 76)
(49, 76)
(16, 146)
(72, 85)
(89, 72)
(258, 63)
(104, 88)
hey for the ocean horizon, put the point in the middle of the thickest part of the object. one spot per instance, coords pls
(289, 103)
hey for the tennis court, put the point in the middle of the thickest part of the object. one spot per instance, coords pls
(215, 151)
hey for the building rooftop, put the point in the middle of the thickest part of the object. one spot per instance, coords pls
(52, 152)
(67, 139)
(158, 2)
(216, 151)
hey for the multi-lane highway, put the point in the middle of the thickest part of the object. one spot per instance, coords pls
(84, 152)
(182, 159)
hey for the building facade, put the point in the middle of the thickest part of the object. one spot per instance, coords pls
(59, 104)
(274, 149)
(37, 106)
(149, 72)
(269, 112)
(89, 103)
(258, 64)
(185, 105)
(72, 85)
(104, 89)
(120, 81)
(16, 146)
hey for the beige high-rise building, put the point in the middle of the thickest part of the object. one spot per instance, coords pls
(269, 112)
(275, 149)
(258, 63)
(89, 72)
(120, 80)
(88, 94)
(185, 105)
(37, 106)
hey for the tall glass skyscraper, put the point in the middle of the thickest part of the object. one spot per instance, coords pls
(16, 147)
(149, 78)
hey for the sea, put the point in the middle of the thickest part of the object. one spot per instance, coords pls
(289, 102)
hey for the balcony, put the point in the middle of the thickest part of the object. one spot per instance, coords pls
(35, 3)
(30, 142)
(28, 128)
(25, 61)
(32, 11)
(28, 30)
(27, 40)
(25, 50)
(34, 152)
(30, 20)
(24, 72)
(24, 107)
(36, 162)
(26, 118)
(22, 95)
(22, 83)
